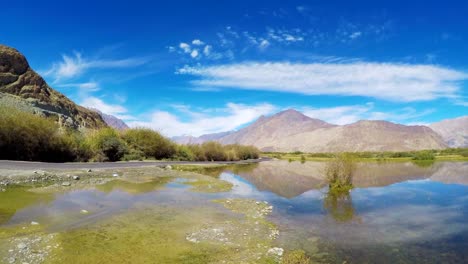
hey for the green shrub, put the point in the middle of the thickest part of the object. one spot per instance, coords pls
(303, 159)
(107, 145)
(184, 153)
(150, 143)
(339, 172)
(424, 155)
(213, 151)
(25, 136)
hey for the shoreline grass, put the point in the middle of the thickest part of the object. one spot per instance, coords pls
(460, 154)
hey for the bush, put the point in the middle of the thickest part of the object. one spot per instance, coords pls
(150, 143)
(303, 159)
(339, 173)
(25, 136)
(107, 145)
(213, 151)
(184, 153)
(424, 155)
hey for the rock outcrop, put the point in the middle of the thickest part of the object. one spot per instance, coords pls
(22, 87)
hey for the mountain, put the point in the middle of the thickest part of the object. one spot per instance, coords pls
(453, 131)
(22, 88)
(266, 132)
(112, 121)
(199, 140)
(290, 130)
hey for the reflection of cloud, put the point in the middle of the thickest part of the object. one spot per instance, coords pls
(408, 223)
(240, 187)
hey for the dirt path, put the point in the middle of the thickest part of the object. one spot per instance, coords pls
(28, 165)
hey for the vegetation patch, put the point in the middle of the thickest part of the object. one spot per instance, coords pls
(339, 173)
(25, 136)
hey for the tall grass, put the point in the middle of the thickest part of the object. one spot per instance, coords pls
(25, 136)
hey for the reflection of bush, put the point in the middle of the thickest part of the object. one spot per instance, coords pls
(423, 163)
(339, 206)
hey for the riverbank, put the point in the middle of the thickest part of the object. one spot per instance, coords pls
(361, 157)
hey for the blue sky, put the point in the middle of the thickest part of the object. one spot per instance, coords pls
(195, 67)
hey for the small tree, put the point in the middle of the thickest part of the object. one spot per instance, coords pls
(339, 172)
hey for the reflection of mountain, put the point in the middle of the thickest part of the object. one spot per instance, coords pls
(290, 179)
(383, 174)
(452, 173)
(285, 179)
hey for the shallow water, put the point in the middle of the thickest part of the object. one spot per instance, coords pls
(398, 213)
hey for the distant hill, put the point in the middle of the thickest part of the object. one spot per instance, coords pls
(453, 131)
(112, 121)
(22, 88)
(199, 140)
(290, 130)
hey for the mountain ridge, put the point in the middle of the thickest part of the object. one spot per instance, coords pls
(291, 130)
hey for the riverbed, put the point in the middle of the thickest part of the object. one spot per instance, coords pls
(398, 212)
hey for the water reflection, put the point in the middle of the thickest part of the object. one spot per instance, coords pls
(291, 179)
(339, 206)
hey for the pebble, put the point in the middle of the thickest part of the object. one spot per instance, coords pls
(66, 184)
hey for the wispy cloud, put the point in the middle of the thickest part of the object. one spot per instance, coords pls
(116, 110)
(204, 121)
(386, 81)
(75, 65)
(347, 114)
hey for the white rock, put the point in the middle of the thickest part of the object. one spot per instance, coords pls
(66, 183)
(34, 223)
(22, 246)
(84, 211)
(115, 175)
(276, 251)
(76, 177)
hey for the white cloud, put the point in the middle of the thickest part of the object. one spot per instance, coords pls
(387, 81)
(75, 65)
(264, 44)
(340, 115)
(343, 115)
(90, 86)
(194, 53)
(355, 35)
(110, 109)
(185, 47)
(207, 50)
(197, 42)
(205, 121)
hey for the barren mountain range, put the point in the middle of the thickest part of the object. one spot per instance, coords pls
(290, 130)
(453, 131)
